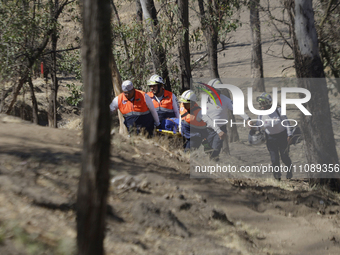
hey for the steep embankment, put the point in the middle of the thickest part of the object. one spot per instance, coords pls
(154, 206)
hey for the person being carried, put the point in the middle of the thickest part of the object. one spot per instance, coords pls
(277, 136)
(192, 127)
(137, 109)
(217, 133)
(164, 101)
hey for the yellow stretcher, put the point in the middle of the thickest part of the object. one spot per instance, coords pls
(167, 132)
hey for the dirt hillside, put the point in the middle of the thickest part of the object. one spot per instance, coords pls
(154, 206)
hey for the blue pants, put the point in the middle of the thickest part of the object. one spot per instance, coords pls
(192, 143)
(135, 123)
(215, 142)
(277, 146)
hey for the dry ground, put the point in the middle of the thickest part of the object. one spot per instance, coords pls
(154, 205)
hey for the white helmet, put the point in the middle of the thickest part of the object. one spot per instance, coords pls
(127, 85)
(214, 82)
(155, 80)
(256, 137)
(264, 99)
(187, 96)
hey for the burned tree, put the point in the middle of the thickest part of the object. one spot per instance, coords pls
(256, 47)
(183, 44)
(94, 180)
(317, 128)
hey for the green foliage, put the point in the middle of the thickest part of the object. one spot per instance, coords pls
(131, 45)
(218, 17)
(22, 29)
(76, 94)
(70, 62)
(131, 58)
(134, 59)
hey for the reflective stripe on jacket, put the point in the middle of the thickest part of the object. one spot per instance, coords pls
(135, 107)
(136, 112)
(164, 108)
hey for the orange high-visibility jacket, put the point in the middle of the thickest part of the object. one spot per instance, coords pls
(190, 126)
(190, 118)
(136, 112)
(164, 108)
(133, 108)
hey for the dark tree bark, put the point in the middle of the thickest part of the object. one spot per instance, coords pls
(139, 11)
(157, 50)
(183, 44)
(52, 108)
(52, 104)
(256, 49)
(211, 36)
(94, 179)
(139, 17)
(317, 128)
(210, 31)
(34, 102)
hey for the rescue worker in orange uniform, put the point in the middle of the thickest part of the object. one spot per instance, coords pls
(137, 109)
(165, 102)
(192, 127)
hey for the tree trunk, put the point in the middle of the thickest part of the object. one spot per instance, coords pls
(52, 106)
(34, 102)
(317, 128)
(16, 93)
(52, 102)
(256, 49)
(156, 48)
(94, 179)
(183, 44)
(211, 36)
(139, 11)
(117, 88)
(141, 60)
